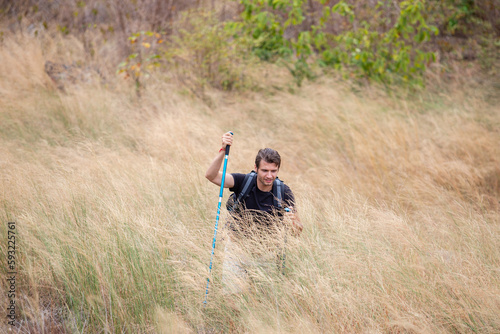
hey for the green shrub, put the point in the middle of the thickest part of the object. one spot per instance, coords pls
(363, 50)
(395, 54)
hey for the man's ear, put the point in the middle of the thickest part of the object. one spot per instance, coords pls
(255, 168)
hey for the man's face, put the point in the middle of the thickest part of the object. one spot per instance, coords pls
(266, 173)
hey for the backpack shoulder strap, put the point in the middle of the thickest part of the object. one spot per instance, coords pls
(278, 192)
(247, 186)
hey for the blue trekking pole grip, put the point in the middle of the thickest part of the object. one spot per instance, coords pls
(226, 156)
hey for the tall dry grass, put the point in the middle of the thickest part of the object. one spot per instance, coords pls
(398, 197)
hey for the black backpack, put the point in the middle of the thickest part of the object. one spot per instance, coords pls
(249, 183)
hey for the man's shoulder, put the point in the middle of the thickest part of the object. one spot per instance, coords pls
(285, 186)
(288, 192)
(239, 178)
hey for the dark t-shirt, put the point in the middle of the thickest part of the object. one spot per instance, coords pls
(259, 205)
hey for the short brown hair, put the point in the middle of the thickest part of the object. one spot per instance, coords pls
(269, 155)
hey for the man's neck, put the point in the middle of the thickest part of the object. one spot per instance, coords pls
(264, 188)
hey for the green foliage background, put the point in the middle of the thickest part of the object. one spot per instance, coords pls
(390, 42)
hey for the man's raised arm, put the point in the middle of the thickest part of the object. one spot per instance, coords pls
(213, 173)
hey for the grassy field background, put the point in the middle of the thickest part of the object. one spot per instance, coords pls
(398, 194)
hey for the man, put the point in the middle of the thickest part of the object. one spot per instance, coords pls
(259, 214)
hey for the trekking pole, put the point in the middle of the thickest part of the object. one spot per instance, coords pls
(217, 219)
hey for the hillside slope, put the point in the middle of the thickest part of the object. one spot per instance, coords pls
(399, 196)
